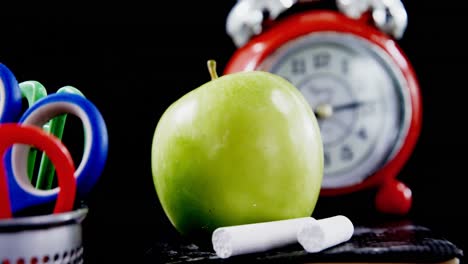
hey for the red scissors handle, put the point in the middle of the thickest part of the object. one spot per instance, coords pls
(12, 133)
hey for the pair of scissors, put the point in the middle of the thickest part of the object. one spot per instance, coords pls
(11, 133)
(21, 192)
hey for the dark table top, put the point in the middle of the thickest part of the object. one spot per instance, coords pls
(392, 242)
(150, 238)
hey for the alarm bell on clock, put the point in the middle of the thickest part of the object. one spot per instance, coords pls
(356, 79)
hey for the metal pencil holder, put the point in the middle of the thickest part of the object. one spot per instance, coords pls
(54, 238)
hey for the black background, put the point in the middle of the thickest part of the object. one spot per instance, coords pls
(133, 61)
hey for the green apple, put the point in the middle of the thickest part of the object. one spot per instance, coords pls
(242, 148)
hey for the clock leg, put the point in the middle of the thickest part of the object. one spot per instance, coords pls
(393, 197)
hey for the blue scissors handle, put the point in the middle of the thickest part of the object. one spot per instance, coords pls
(10, 96)
(94, 154)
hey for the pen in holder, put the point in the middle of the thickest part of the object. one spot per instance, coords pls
(52, 238)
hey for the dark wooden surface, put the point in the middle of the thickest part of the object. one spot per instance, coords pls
(401, 241)
(411, 240)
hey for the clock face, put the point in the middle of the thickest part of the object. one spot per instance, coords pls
(358, 96)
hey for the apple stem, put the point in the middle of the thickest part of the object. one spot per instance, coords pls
(212, 69)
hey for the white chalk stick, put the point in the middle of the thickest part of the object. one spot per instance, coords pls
(324, 233)
(258, 237)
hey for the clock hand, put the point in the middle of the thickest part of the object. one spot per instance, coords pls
(325, 110)
(346, 106)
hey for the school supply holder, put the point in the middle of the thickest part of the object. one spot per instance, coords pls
(51, 238)
(30, 235)
(30, 232)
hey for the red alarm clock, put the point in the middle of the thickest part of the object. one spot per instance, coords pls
(357, 80)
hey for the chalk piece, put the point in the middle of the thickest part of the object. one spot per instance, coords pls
(258, 237)
(319, 235)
